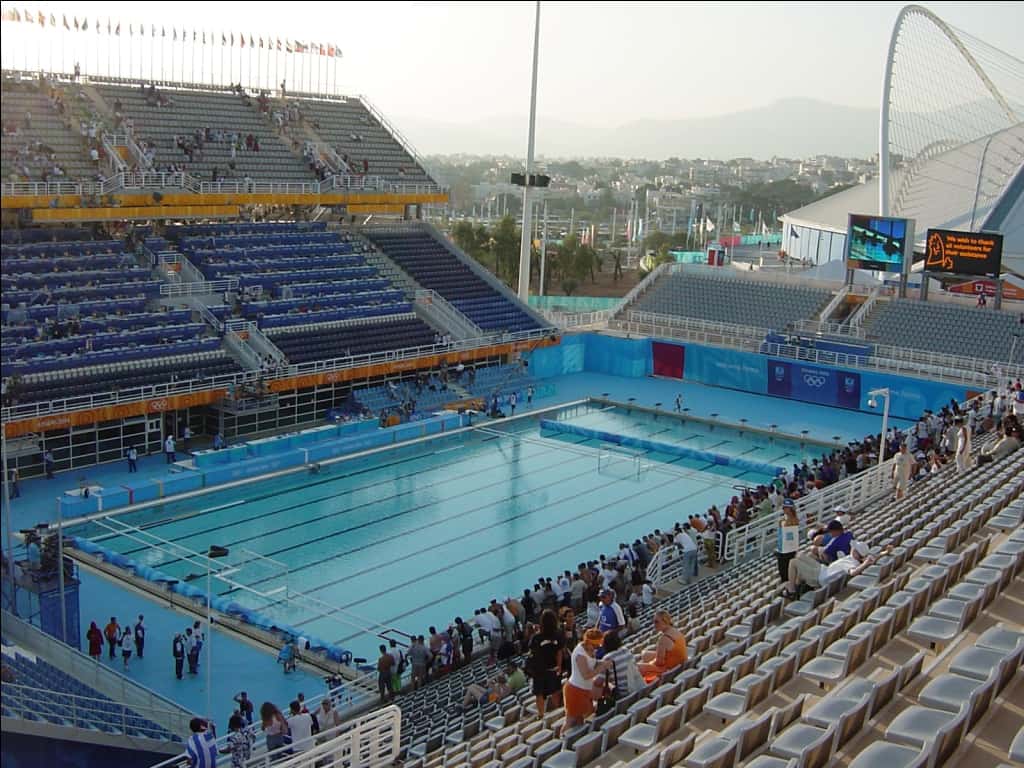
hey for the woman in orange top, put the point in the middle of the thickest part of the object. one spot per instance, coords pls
(670, 651)
(578, 691)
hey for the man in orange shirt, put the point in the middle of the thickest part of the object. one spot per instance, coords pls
(113, 634)
(697, 524)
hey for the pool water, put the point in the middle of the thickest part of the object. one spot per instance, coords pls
(418, 534)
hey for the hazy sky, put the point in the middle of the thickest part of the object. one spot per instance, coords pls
(599, 62)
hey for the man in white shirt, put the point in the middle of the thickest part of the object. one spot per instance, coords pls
(902, 470)
(688, 547)
(169, 449)
(301, 725)
(807, 569)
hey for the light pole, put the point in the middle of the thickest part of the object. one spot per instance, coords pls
(525, 242)
(882, 392)
(214, 552)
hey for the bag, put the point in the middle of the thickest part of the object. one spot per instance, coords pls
(611, 694)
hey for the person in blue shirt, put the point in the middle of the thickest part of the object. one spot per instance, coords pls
(202, 744)
(611, 617)
(837, 545)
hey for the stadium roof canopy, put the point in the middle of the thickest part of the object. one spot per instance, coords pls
(951, 144)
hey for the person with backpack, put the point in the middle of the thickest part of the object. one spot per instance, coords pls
(465, 639)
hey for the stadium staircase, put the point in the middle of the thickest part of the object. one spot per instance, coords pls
(846, 675)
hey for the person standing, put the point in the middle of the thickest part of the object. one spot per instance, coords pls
(788, 541)
(513, 401)
(202, 744)
(95, 640)
(178, 651)
(245, 707)
(113, 634)
(240, 741)
(902, 470)
(328, 718)
(963, 446)
(15, 487)
(529, 395)
(140, 636)
(546, 661)
(610, 614)
(679, 403)
(48, 463)
(133, 456)
(185, 437)
(301, 726)
(169, 449)
(275, 727)
(577, 693)
(127, 641)
(384, 664)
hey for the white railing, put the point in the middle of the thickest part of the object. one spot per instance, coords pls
(90, 713)
(759, 537)
(370, 741)
(637, 290)
(828, 328)
(57, 407)
(856, 320)
(398, 135)
(568, 320)
(243, 352)
(110, 144)
(834, 304)
(961, 370)
(263, 346)
(100, 677)
(204, 312)
(159, 181)
(199, 288)
(433, 303)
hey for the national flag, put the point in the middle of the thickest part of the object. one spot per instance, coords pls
(241, 41)
(66, 25)
(323, 51)
(16, 15)
(108, 26)
(251, 43)
(194, 35)
(163, 32)
(174, 35)
(288, 46)
(53, 20)
(261, 42)
(131, 31)
(96, 26)
(152, 30)
(85, 25)
(28, 17)
(204, 37)
(330, 50)
(794, 233)
(42, 19)
(337, 51)
(279, 43)
(117, 29)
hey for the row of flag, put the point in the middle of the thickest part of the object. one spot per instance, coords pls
(226, 38)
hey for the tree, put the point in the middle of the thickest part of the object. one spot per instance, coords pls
(505, 246)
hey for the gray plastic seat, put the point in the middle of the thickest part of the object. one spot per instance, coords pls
(1017, 747)
(714, 752)
(884, 753)
(645, 735)
(949, 692)
(1000, 638)
(800, 740)
(919, 726)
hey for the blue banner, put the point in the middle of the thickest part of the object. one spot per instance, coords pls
(814, 384)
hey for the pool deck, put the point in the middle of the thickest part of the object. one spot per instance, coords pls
(237, 665)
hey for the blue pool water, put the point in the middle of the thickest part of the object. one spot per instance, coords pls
(419, 534)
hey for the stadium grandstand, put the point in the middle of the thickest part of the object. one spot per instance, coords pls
(288, 475)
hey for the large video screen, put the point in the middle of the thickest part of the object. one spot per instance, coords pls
(964, 253)
(877, 243)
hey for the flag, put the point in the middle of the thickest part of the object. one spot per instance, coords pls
(251, 43)
(261, 42)
(28, 17)
(323, 51)
(108, 26)
(232, 39)
(794, 233)
(194, 34)
(279, 43)
(131, 31)
(288, 46)
(330, 50)
(66, 25)
(152, 30)
(174, 35)
(42, 19)
(709, 225)
(85, 25)
(163, 32)
(241, 41)
(16, 15)
(204, 37)
(337, 51)
(53, 20)
(96, 26)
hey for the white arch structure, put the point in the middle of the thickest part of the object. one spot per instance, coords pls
(951, 128)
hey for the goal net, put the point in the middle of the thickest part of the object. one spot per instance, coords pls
(617, 461)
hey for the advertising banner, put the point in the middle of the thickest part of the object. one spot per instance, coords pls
(814, 384)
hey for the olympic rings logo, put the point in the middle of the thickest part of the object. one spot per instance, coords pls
(817, 381)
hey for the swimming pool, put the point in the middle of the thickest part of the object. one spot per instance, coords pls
(418, 534)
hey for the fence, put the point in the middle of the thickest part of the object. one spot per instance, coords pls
(89, 713)
(100, 677)
(53, 407)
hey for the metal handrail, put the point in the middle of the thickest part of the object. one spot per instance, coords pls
(86, 711)
(199, 288)
(227, 381)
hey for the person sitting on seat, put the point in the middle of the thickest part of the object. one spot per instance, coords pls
(495, 691)
(807, 569)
